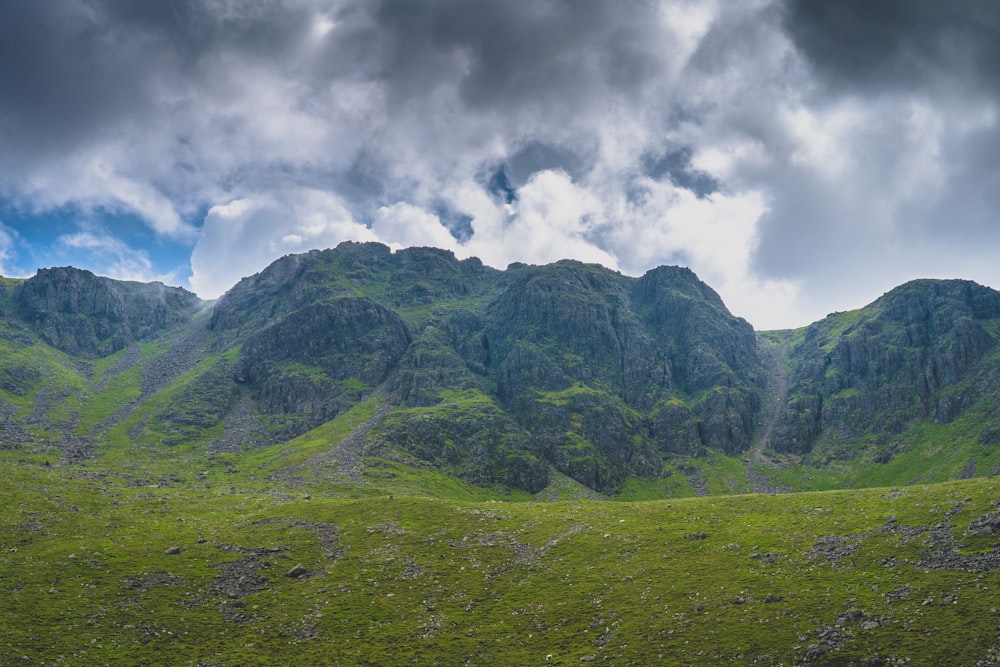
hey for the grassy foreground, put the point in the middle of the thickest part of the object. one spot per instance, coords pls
(102, 569)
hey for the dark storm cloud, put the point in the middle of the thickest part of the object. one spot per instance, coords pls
(676, 165)
(899, 44)
(944, 57)
(313, 120)
(59, 75)
(71, 72)
(74, 70)
(521, 53)
(536, 156)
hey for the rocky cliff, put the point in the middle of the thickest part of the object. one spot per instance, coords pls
(908, 356)
(497, 377)
(80, 313)
(599, 373)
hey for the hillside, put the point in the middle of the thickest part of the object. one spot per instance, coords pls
(360, 456)
(207, 568)
(637, 387)
(640, 387)
(908, 385)
(499, 378)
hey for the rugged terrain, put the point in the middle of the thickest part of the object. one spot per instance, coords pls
(342, 460)
(508, 378)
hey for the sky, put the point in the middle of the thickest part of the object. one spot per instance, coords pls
(801, 157)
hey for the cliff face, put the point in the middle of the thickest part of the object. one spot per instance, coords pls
(80, 313)
(712, 355)
(611, 372)
(321, 359)
(497, 377)
(598, 374)
(907, 356)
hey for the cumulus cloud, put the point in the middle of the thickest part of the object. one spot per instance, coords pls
(552, 218)
(403, 225)
(243, 236)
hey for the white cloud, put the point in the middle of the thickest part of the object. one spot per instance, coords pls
(7, 253)
(290, 123)
(242, 237)
(657, 223)
(112, 257)
(94, 177)
(716, 236)
(403, 225)
(552, 219)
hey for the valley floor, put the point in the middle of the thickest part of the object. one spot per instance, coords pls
(102, 569)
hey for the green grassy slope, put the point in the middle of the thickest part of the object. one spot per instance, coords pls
(194, 570)
(129, 536)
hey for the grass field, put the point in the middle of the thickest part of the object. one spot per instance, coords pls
(213, 568)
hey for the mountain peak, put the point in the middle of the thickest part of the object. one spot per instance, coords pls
(79, 312)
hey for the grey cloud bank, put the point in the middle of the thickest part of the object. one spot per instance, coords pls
(801, 157)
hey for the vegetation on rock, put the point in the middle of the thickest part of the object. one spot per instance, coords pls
(360, 456)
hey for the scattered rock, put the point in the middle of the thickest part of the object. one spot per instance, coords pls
(833, 547)
(411, 571)
(899, 593)
(306, 632)
(768, 556)
(238, 579)
(146, 581)
(387, 528)
(986, 524)
(172, 551)
(830, 639)
(298, 571)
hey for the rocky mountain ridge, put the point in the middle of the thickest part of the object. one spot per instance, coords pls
(497, 377)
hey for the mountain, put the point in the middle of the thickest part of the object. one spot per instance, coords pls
(642, 386)
(90, 316)
(347, 460)
(924, 353)
(496, 376)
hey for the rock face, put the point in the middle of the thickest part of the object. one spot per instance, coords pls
(578, 367)
(713, 357)
(87, 315)
(469, 436)
(321, 359)
(610, 372)
(912, 354)
(496, 377)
